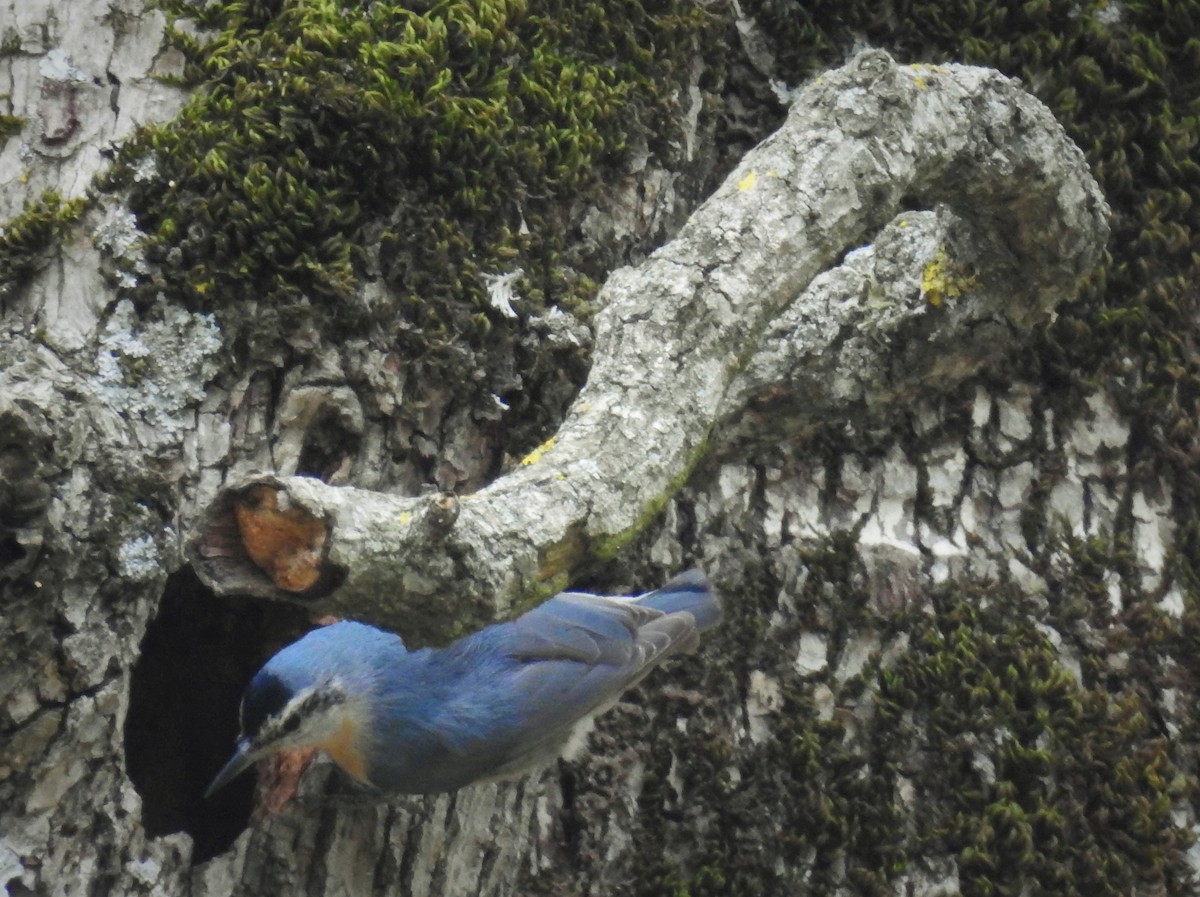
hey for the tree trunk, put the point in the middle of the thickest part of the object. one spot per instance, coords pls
(809, 385)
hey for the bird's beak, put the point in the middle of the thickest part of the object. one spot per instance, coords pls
(241, 759)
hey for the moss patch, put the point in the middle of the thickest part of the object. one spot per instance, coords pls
(26, 237)
(1040, 783)
(1123, 79)
(428, 144)
(9, 124)
(966, 754)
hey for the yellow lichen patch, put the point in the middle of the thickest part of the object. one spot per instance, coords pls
(919, 79)
(748, 182)
(942, 280)
(536, 455)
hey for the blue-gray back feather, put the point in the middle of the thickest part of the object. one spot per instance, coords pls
(507, 697)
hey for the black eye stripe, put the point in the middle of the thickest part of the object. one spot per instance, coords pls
(318, 700)
(305, 708)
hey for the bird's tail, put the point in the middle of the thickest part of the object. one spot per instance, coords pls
(689, 591)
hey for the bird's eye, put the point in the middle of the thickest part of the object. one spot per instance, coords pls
(289, 725)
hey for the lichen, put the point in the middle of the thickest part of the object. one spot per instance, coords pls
(155, 368)
(941, 280)
(138, 557)
(119, 237)
(536, 455)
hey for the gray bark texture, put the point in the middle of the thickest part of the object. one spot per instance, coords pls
(797, 391)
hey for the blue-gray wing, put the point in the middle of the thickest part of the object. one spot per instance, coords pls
(577, 652)
(591, 630)
(599, 630)
(525, 684)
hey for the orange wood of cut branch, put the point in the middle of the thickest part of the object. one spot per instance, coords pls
(284, 540)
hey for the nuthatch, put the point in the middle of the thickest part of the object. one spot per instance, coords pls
(493, 705)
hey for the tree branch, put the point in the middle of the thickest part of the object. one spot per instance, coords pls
(730, 308)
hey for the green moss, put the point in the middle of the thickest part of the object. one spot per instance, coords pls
(24, 238)
(1042, 782)
(1083, 775)
(430, 144)
(968, 736)
(9, 124)
(976, 738)
(1123, 79)
(608, 547)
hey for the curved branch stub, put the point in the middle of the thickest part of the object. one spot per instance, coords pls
(734, 304)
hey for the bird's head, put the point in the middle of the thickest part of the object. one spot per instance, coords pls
(309, 695)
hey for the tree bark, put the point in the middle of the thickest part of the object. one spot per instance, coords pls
(799, 391)
(681, 341)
